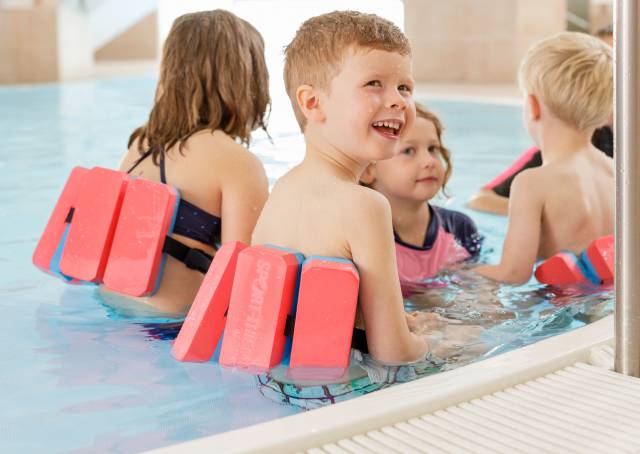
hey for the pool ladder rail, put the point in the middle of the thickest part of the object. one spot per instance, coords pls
(578, 409)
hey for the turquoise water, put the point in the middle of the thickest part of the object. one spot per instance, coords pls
(79, 377)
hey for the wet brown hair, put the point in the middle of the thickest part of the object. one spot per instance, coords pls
(422, 112)
(315, 54)
(213, 76)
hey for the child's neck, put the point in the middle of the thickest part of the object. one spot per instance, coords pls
(559, 141)
(410, 219)
(323, 155)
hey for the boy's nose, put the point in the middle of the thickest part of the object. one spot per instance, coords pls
(395, 100)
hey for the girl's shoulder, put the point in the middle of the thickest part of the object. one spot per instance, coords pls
(461, 227)
(215, 148)
(452, 217)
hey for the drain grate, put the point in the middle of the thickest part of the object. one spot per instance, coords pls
(578, 409)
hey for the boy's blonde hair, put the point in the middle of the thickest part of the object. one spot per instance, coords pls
(316, 53)
(572, 74)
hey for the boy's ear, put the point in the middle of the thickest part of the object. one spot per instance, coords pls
(308, 100)
(368, 177)
(534, 106)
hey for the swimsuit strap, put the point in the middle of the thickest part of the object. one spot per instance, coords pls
(139, 160)
(163, 174)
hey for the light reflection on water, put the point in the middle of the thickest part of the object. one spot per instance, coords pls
(68, 361)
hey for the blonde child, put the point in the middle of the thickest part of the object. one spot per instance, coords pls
(428, 238)
(348, 76)
(568, 201)
(493, 197)
(212, 92)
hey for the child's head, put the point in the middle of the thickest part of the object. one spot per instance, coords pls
(213, 76)
(572, 75)
(421, 167)
(345, 68)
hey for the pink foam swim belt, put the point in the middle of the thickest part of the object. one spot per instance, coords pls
(261, 297)
(207, 316)
(108, 228)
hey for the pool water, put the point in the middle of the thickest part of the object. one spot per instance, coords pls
(78, 376)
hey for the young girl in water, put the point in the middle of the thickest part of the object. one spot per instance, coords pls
(212, 92)
(428, 238)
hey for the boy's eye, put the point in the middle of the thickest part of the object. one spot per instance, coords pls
(405, 87)
(409, 151)
(434, 149)
(374, 83)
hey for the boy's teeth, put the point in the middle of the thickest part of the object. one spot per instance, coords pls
(387, 124)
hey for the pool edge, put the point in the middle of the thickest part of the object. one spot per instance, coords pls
(387, 406)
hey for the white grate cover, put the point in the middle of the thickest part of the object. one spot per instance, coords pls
(579, 409)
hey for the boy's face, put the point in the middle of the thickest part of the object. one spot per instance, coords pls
(417, 172)
(369, 104)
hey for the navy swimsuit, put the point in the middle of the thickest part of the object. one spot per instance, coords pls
(192, 222)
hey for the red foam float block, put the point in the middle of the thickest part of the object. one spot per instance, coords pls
(205, 321)
(93, 224)
(56, 226)
(601, 254)
(262, 294)
(560, 269)
(146, 217)
(325, 316)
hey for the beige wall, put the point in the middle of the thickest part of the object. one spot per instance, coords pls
(43, 44)
(600, 15)
(28, 45)
(477, 41)
(52, 42)
(140, 42)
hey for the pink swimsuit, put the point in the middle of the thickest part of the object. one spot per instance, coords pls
(451, 237)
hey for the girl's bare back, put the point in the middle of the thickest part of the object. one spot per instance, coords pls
(213, 165)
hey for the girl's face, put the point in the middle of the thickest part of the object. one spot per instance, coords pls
(417, 171)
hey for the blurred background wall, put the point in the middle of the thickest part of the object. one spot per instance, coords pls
(454, 41)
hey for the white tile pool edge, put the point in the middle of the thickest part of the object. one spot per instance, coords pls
(407, 400)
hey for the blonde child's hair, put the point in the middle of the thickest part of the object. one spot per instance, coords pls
(572, 74)
(422, 112)
(317, 51)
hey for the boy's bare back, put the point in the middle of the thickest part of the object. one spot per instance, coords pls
(327, 208)
(578, 201)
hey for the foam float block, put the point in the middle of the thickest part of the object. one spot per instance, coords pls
(324, 319)
(261, 298)
(52, 239)
(136, 259)
(206, 319)
(560, 269)
(94, 220)
(600, 256)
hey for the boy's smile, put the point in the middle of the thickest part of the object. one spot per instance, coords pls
(369, 103)
(417, 171)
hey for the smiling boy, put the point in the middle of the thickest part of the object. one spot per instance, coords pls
(348, 76)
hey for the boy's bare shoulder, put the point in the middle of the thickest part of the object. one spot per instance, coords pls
(367, 204)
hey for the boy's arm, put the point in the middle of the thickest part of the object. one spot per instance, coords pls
(523, 235)
(373, 251)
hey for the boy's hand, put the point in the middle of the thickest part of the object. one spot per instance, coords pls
(423, 322)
